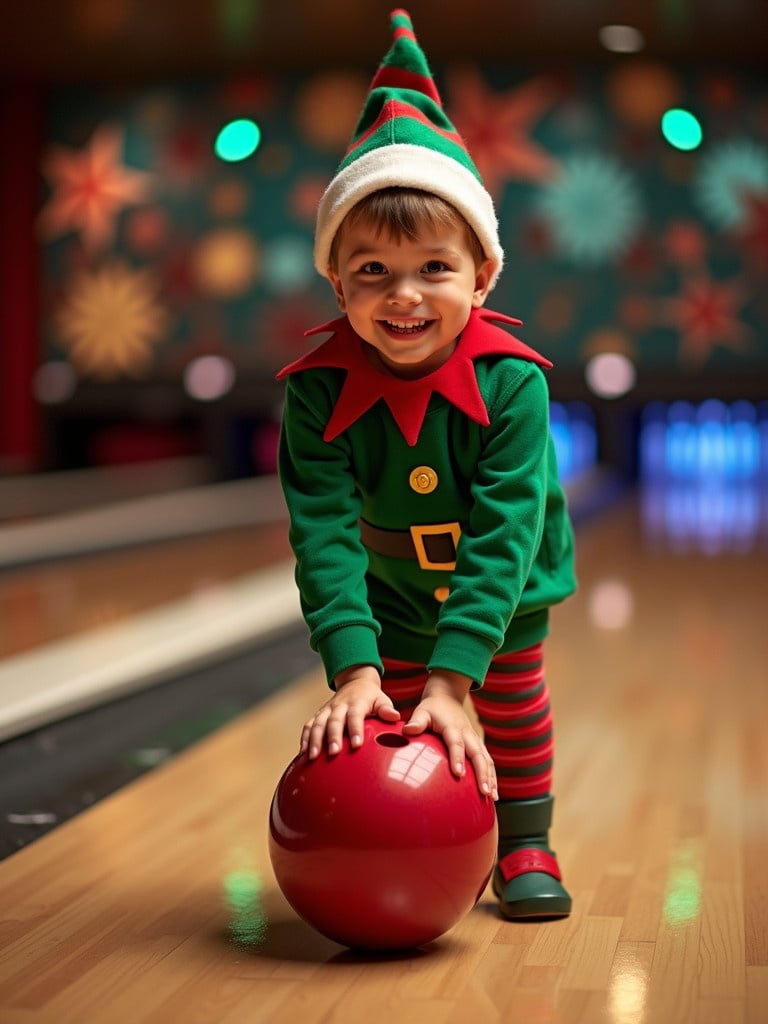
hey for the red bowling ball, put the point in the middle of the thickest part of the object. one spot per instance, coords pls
(381, 847)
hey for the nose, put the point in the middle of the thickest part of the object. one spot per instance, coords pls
(405, 290)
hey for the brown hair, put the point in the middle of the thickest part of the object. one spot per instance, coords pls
(401, 212)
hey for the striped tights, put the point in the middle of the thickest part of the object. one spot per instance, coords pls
(514, 712)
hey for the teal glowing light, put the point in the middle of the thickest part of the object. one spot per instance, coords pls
(237, 140)
(681, 129)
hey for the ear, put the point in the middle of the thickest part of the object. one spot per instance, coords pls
(482, 283)
(335, 280)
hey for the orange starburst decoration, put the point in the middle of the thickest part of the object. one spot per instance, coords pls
(110, 321)
(89, 188)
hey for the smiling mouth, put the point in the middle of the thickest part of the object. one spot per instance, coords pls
(406, 327)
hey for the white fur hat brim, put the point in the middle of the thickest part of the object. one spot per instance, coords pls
(408, 166)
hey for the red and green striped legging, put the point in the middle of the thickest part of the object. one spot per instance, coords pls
(513, 709)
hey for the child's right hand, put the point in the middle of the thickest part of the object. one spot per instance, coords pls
(358, 696)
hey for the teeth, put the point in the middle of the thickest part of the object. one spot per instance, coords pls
(406, 323)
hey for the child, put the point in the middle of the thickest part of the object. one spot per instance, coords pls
(428, 523)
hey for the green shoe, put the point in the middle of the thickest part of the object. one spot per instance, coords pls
(527, 880)
(527, 884)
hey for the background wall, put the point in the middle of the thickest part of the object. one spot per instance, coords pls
(170, 284)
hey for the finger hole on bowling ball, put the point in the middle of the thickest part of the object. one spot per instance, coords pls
(392, 739)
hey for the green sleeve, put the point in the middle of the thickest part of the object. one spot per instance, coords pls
(324, 509)
(501, 541)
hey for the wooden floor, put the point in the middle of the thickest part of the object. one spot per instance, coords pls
(158, 905)
(42, 604)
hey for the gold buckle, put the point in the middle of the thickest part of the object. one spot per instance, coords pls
(418, 533)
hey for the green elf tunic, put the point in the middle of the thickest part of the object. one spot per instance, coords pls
(427, 517)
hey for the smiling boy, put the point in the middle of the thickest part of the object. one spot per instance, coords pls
(429, 526)
(407, 270)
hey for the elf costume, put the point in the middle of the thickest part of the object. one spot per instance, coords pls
(427, 518)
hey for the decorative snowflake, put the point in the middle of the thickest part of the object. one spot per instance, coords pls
(726, 177)
(89, 188)
(592, 209)
(109, 321)
(495, 128)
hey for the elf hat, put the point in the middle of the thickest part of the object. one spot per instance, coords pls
(404, 138)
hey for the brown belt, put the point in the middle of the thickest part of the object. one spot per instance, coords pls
(432, 546)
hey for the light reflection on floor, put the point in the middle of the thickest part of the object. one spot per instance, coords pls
(242, 892)
(704, 476)
(628, 988)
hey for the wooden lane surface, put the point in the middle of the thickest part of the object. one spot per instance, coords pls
(41, 604)
(159, 904)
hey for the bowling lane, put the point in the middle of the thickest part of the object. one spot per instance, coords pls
(160, 901)
(44, 603)
(102, 601)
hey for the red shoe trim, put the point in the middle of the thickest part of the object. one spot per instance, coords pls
(520, 862)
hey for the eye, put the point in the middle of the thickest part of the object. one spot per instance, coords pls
(373, 267)
(434, 267)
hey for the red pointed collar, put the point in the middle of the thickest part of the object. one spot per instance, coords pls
(407, 400)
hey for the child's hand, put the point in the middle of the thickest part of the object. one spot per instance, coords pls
(358, 695)
(441, 711)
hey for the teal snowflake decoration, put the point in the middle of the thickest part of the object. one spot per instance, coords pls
(592, 209)
(727, 177)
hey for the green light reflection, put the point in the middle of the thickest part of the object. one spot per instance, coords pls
(682, 901)
(243, 897)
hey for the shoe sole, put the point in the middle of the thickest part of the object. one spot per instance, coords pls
(533, 909)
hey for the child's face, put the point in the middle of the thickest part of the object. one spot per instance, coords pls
(409, 299)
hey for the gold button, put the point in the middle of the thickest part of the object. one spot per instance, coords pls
(441, 594)
(423, 479)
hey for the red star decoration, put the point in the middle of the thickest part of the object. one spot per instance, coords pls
(496, 126)
(753, 235)
(705, 315)
(90, 187)
(408, 399)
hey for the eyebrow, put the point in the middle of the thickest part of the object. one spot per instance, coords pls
(438, 250)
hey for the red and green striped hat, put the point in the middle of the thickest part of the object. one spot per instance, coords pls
(405, 138)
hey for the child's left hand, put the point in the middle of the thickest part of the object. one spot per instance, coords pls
(441, 710)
